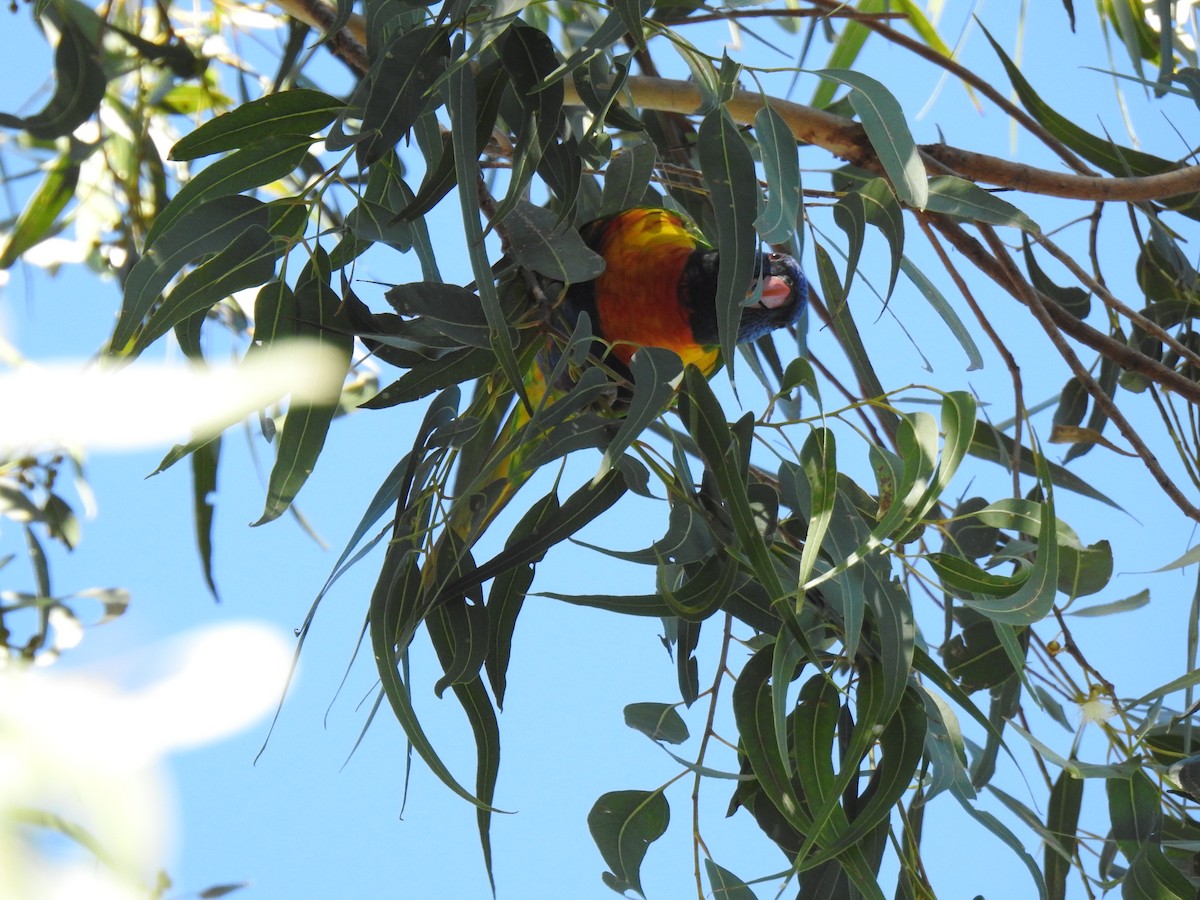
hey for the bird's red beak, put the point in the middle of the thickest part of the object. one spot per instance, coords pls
(775, 291)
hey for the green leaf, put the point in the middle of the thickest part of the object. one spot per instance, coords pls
(649, 605)
(299, 112)
(883, 120)
(455, 367)
(1135, 808)
(968, 536)
(247, 261)
(37, 220)
(490, 82)
(578, 510)
(882, 211)
(656, 374)
(624, 824)
(265, 161)
(818, 458)
(946, 749)
(531, 61)
(1032, 601)
(851, 217)
(1075, 300)
(627, 177)
(209, 228)
(658, 721)
(1151, 874)
(1084, 570)
(461, 103)
(704, 592)
(780, 217)
(752, 710)
(302, 438)
(728, 171)
(391, 602)
(601, 84)
(964, 199)
(204, 486)
(400, 82)
(474, 700)
(922, 483)
(80, 83)
(464, 634)
(1136, 601)
(1072, 403)
(1062, 822)
(541, 241)
(725, 885)
(454, 311)
(1025, 516)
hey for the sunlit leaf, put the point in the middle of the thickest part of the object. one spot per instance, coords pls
(37, 220)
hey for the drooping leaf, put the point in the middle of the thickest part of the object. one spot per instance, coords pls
(728, 171)
(624, 824)
(400, 83)
(210, 228)
(80, 83)
(461, 102)
(964, 199)
(780, 217)
(725, 885)
(1062, 821)
(317, 316)
(887, 130)
(541, 241)
(627, 176)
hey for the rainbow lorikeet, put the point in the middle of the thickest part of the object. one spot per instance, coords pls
(658, 289)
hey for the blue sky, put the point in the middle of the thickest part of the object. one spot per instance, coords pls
(312, 820)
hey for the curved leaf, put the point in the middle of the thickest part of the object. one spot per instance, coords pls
(298, 112)
(624, 824)
(887, 130)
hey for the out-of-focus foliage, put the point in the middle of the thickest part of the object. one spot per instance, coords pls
(244, 221)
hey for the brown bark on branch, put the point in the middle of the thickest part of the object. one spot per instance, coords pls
(838, 135)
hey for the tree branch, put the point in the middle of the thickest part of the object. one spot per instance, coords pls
(838, 135)
(1106, 345)
(1018, 286)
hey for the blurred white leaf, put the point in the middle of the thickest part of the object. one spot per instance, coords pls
(79, 757)
(105, 407)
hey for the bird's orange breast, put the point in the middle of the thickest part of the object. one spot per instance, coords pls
(638, 297)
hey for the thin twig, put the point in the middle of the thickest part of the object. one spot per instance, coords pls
(1117, 351)
(840, 136)
(980, 84)
(1010, 362)
(1033, 299)
(1147, 325)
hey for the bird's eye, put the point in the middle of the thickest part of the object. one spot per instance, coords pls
(775, 257)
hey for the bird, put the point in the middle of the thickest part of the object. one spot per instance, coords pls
(658, 289)
(659, 285)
